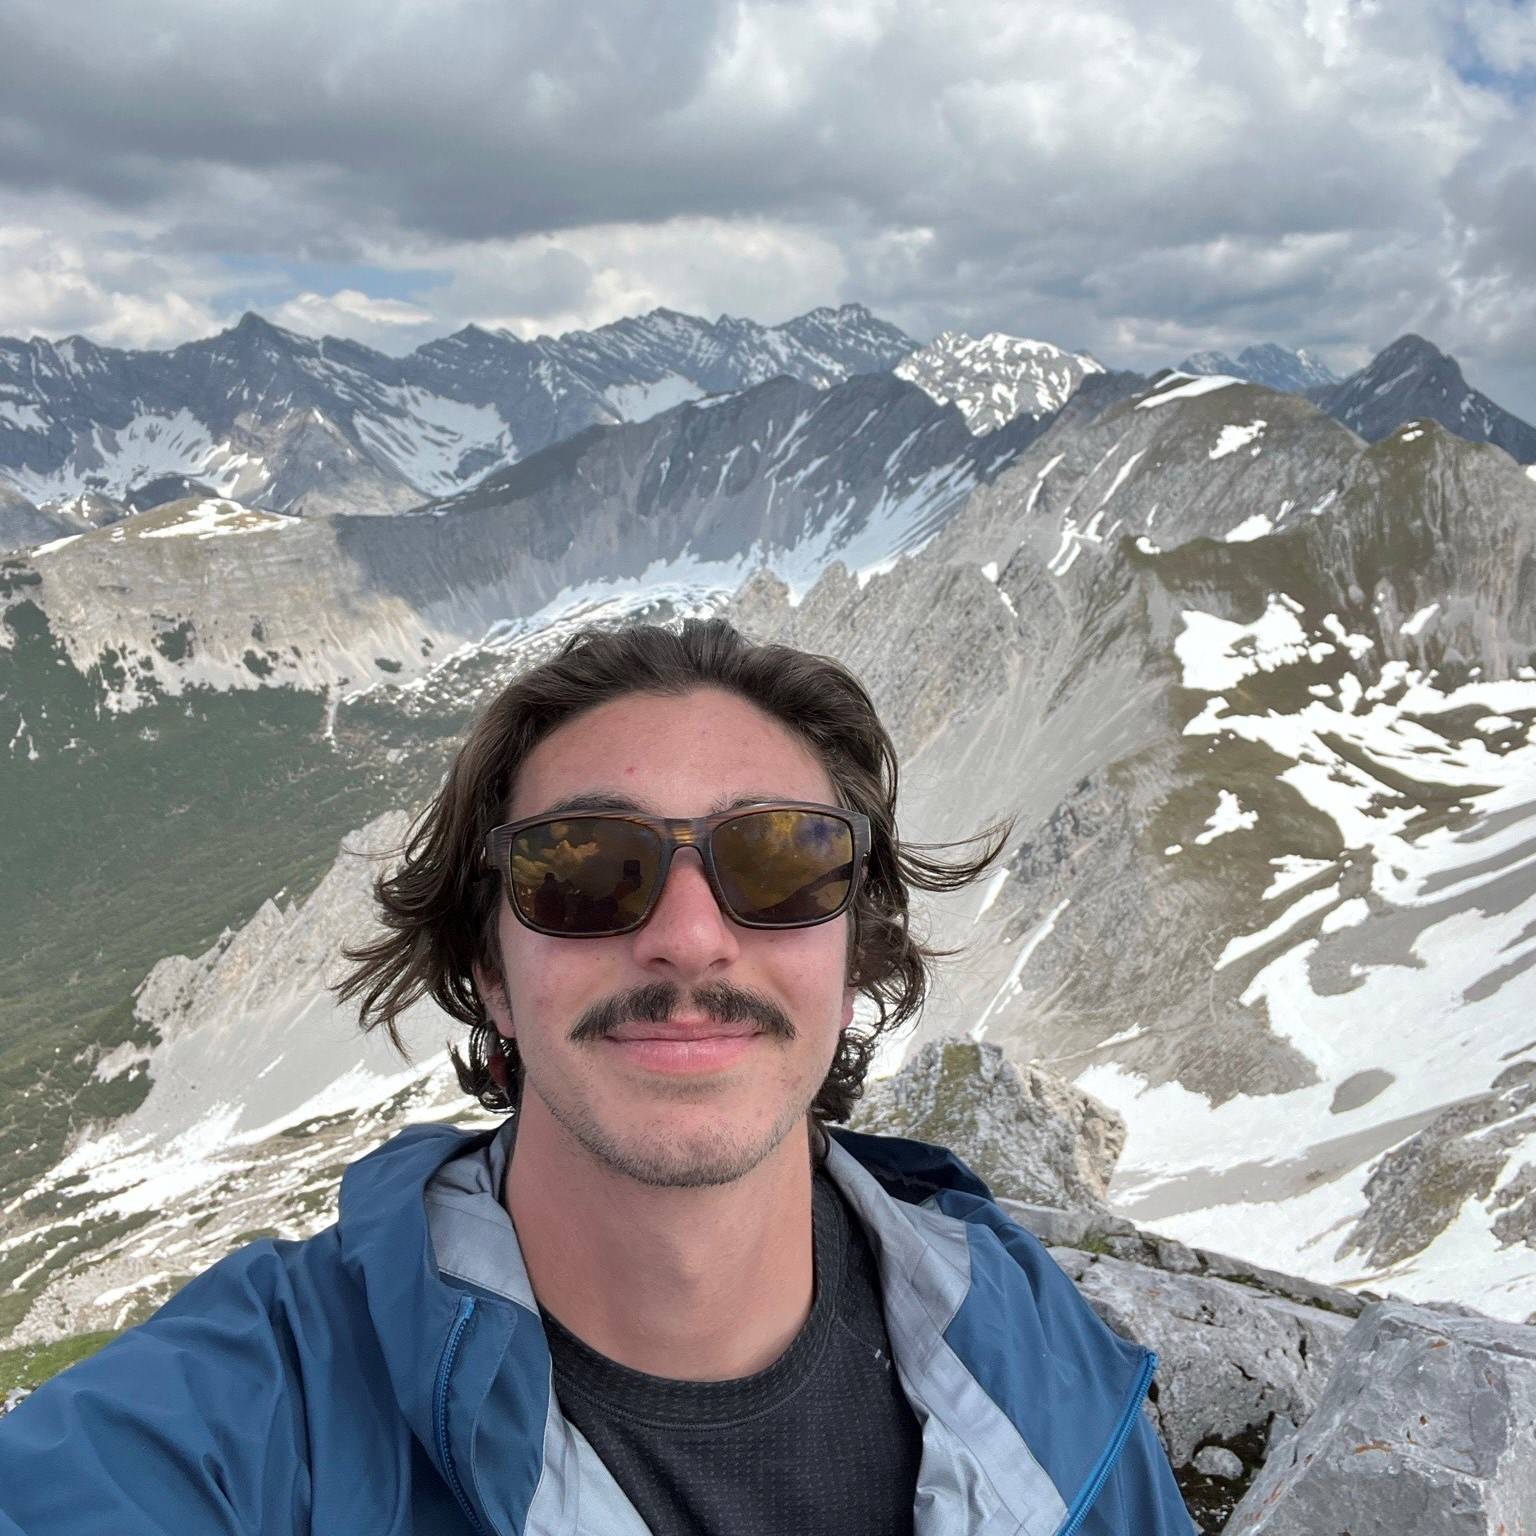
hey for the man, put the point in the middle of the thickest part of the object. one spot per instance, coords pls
(665, 1297)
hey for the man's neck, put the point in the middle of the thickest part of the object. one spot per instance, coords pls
(694, 1284)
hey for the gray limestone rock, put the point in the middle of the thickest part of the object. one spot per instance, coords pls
(1217, 1461)
(1427, 1426)
(1417, 1189)
(1308, 1292)
(1096, 1231)
(1029, 1135)
(1230, 1356)
(1516, 1205)
(1066, 1229)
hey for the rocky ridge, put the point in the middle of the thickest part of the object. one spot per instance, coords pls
(1413, 380)
(261, 1090)
(1271, 786)
(292, 424)
(1036, 1138)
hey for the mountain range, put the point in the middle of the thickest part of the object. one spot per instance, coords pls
(290, 424)
(1273, 366)
(1258, 685)
(781, 472)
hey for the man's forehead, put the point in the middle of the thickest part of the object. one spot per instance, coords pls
(603, 760)
(619, 800)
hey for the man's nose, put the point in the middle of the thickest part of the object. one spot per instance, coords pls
(687, 931)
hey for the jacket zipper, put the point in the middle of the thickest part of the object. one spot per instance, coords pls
(1111, 1452)
(440, 1412)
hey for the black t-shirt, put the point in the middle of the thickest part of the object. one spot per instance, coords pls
(821, 1443)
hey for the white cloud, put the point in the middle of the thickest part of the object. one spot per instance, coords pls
(95, 282)
(586, 277)
(1503, 34)
(348, 312)
(1133, 177)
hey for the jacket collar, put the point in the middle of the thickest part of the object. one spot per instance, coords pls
(985, 1333)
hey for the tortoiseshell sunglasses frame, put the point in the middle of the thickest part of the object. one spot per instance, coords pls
(677, 832)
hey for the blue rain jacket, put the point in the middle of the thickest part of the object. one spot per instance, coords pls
(390, 1377)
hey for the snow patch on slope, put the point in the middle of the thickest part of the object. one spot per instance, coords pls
(1439, 950)
(1232, 438)
(151, 444)
(426, 437)
(640, 402)
(1187, 391)
(993, 378)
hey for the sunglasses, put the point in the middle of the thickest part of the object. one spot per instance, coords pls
(594, 874)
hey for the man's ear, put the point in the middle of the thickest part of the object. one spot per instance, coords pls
(493, 998)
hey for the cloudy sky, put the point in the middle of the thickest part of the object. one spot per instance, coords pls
(1137, 178)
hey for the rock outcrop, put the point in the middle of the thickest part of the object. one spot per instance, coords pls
(1286, 1407)
(1417, 1189)
(1029, 1135)
(1427, 1424)
(1233, 1359)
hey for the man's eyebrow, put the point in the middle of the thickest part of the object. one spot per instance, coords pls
(612, 800)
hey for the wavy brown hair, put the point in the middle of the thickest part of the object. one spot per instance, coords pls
(440, 908)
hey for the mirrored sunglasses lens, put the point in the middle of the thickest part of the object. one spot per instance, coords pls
(584, 875)
(784, 866)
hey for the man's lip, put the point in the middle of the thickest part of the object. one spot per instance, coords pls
(685, 1031)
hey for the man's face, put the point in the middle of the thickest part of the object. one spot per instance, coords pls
(686, 756)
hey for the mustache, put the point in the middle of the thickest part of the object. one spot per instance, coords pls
(657, 1002)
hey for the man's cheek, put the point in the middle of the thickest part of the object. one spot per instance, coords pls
(558, 989)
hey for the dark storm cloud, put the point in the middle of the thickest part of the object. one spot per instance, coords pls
(476, 120)
(457, 120)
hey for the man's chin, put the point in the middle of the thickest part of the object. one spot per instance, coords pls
(684, 1144)
(688, 1147)
(697, 1161)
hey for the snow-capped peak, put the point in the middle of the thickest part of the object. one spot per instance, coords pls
(991, 379)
